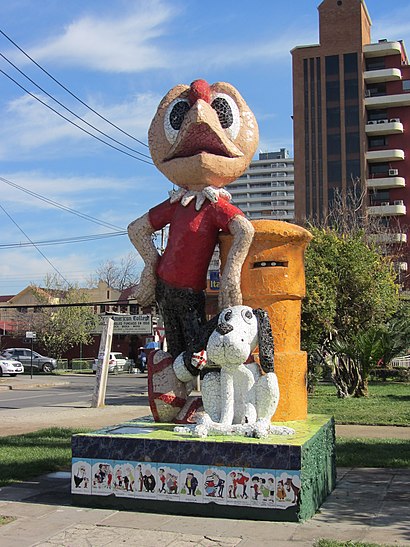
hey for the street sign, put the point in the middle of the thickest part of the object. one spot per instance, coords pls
(31, 335)
(128, 324)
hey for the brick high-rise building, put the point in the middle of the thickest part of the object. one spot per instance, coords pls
(351, 114)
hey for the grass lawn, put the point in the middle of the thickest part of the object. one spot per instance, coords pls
(388, 403)
(32, 454)
(372, 452)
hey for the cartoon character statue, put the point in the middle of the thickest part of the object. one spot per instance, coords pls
(202, 138)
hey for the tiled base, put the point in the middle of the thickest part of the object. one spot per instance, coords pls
(145, 466)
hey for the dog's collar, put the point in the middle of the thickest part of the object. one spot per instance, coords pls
(210, 192)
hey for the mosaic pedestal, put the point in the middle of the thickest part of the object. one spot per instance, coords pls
(145, 466)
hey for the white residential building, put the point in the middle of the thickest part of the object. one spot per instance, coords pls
(266, 189)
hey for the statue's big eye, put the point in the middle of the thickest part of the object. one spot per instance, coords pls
(224, 111)
(247, 316)
(228, 113)
(174, 117)
(228, 315)
(177, 114)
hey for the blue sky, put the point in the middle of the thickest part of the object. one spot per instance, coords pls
(121, 57)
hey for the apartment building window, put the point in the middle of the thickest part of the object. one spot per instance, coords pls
(332, 65)
(377, 90)
(351, 89)
(352, 116)
(333, 117)
(334, 171)
(352, 170)
(352, 143)
(333, 144)
(376, 142)
(375, 63)
(376, 198)
(375, 115)
(333, 91)
(350, 63)
(381, 169)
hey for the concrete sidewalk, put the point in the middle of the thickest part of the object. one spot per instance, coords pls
(377, 512)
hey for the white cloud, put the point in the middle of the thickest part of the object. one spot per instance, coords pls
(21, 267)
(28, 128)
(64, 189)
(395, 25)
(112, 43)
(133, 43)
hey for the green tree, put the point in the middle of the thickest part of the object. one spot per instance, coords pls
(351, 293)
(61, 328)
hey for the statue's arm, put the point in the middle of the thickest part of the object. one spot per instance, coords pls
(230, 284)
(140, 233)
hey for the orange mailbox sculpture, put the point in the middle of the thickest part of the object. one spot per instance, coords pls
(273, 278)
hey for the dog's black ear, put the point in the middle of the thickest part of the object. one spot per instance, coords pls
(265, 340)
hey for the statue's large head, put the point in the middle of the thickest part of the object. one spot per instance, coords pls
(203, 135)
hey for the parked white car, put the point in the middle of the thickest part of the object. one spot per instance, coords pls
(10, 367)
(116, 363)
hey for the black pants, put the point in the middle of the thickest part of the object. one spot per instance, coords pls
(183, 311)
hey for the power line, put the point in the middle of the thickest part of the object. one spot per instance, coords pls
(34, 245)
(70, 92)
(60, 205)
(64, 241)
(71, 111)
(71, 121)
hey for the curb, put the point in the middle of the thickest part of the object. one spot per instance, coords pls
(6, 387)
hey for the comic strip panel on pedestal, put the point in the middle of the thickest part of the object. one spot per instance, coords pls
(214, 485)
(102, 477)
(262, 488)
(81, 476)
(287, 489)
(191, 484)
(238, 481)
(168, 481)
(124, 479)
(146, 480)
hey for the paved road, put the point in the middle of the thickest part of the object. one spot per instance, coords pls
(125, 389)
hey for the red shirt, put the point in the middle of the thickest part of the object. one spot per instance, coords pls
(191, 241)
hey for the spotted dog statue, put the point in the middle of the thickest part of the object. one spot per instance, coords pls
(239, 397)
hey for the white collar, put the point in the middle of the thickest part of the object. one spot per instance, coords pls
(210, 192)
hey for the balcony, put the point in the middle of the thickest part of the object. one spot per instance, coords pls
(383, 75)
(384, 127)
(375, 156)
(389, 238)
(387, 210)
(387, 101)
(384, 183)
(381, 49)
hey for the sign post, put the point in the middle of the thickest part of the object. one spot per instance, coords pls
(101, 376)
(31, 336)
